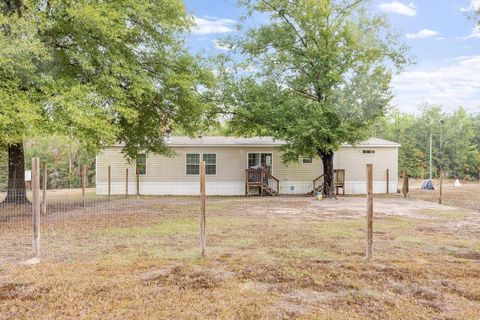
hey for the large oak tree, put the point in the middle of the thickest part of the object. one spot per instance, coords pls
(100, 71)
(316, 75)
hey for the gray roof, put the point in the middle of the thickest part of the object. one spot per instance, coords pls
(375, 142)
(259, 141)
(225, 141)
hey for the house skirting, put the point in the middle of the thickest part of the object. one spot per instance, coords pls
(360, 187)
(230, 188)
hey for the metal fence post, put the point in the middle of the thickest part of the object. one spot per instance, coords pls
(84, 182)
(109, 183)
(45, 184)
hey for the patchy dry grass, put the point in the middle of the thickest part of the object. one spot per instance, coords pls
(270, 258)
(468, 196)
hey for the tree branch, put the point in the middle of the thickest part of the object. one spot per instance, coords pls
(285, 18)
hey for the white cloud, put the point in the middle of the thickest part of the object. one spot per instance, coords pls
(475, 34)
(221, 46)
(473, 6)
(425, 33)
(459, 58)
(212, 25)
(399, 8)
(454, 84)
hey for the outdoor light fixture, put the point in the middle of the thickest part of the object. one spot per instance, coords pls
(168, 137)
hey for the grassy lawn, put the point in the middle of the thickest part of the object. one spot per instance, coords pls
(270, 258)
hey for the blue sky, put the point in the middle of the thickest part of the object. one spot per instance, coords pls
(441, 34)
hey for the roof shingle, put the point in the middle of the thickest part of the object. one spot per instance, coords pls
(260, 141)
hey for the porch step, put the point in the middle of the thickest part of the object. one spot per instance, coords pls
(269, 191)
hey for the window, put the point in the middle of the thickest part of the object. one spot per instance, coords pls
(307, 160)
(260, 159)
(193, 163)
(210, 163)
(368, 151)
(141, 164)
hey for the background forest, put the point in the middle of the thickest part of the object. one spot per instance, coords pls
(455, 137)
(64, 157)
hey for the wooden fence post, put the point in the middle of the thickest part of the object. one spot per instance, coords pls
(404, 184)
(109, 183)
(202, 208)
(126, 183)
(44, 193)
(388, 181)
(138, 184)
(84, 182)
(369, 211)
(36, 206)
(440, 200)
(246, 182)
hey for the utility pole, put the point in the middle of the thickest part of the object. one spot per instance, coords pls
(441, 146)
(431, 142)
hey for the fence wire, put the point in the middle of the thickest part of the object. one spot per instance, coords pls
(76, 227)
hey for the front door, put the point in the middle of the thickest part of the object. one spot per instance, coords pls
(260, 159)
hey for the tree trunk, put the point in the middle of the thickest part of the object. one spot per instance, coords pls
(16, 192)
(328, 174)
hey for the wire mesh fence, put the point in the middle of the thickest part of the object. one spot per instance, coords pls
(15, 225)
(89, 223)
(79, 225)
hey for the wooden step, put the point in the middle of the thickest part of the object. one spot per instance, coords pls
(270, 191)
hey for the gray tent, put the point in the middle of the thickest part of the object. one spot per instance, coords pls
(427, 185)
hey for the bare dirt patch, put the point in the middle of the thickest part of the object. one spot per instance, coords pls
(267, 258)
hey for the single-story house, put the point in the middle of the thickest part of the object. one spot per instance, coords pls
(234, 166)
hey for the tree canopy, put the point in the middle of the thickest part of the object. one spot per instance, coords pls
(98, 71)
(316, 75)
(456, 144)
(101, 71)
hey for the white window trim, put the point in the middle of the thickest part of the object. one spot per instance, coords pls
(201, 158)
(271, 153)
(216, 165)
(306, 163)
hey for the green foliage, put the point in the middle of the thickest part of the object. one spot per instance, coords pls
(456, 142)
(64, 157)
(316, 75)
(398, 127)
(20, 80)
(99, 71)
(3, 169)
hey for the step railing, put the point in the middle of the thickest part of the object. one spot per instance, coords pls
(317, 187)
(257, 177)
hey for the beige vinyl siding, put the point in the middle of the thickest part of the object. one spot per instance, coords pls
(231, 165)
(296, 171)
(354, 161)
(114, 158)
(164, 173)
